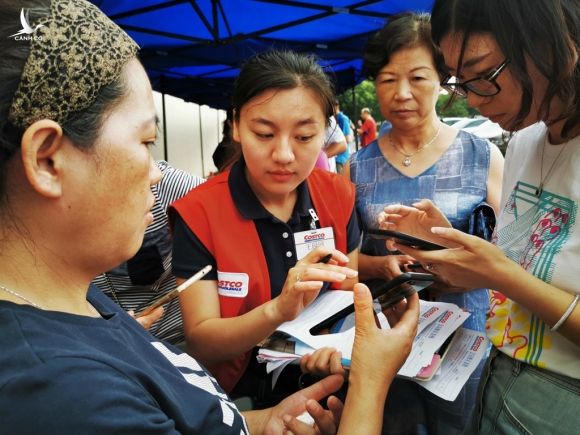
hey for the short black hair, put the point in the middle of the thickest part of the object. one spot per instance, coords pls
(406, 30)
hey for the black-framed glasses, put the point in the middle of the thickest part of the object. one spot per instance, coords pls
(483, 86)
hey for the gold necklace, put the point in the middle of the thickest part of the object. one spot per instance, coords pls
(407, 156)
(19, 296)
(540, 189)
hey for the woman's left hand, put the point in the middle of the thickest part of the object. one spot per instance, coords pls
(306, 278)
(475, 263)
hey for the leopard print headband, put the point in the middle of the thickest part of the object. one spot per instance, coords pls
(74, 52)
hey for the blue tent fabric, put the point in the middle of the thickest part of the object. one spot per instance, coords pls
(193, 49)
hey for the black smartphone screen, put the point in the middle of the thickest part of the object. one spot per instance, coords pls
(387, 293)
(405, 239)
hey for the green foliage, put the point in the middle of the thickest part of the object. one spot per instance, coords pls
(458, 107)
(362, 95)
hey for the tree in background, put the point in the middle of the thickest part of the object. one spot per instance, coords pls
(364, 96)
(457, 107)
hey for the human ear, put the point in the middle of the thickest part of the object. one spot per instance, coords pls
(41, 148)
(235, 131)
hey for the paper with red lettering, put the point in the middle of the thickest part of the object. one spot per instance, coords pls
(465, 352)
(437, 329)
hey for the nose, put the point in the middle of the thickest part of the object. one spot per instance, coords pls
(403, 90)
(154, 172)
(283, 152)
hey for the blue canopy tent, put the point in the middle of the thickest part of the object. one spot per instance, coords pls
(193, 49)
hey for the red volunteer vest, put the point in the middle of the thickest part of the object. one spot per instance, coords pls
(211, 214)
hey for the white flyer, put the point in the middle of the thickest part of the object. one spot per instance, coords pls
(431, 338)
(465, 353)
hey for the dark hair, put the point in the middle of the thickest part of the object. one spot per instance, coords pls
(276, 69)
(545, 31)
(406, 30)
(82, 127)
(228, 150)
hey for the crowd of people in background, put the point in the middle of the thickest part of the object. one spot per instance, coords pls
(93, 230)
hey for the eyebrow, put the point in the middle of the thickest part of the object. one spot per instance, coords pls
(152, 120)
(300, 123)
(412, 70)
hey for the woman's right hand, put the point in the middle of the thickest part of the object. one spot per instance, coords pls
(394, 265)
(306, 278)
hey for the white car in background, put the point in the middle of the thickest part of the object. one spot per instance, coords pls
(486, 129)
(491, 131)
(452, 120)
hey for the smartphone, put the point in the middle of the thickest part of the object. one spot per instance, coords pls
(412, 267)
(172, 294)
(405, 239)
(387, 293)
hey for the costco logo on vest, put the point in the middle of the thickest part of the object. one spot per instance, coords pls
(233, 285)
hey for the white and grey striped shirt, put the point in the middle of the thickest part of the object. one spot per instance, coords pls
(147, 276)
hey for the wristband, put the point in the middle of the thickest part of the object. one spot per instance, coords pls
(566, 313)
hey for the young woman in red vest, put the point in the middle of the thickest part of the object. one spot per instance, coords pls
(265, 224)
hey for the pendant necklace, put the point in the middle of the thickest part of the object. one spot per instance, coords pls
(35, 305)
(407, 156)
(544, 179)
(19, 296)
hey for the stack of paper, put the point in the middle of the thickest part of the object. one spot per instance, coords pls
(444, 377)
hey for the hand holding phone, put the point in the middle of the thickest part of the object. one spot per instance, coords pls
(174, 293)
(387, 293)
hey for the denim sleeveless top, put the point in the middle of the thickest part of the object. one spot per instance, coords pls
(456, 183)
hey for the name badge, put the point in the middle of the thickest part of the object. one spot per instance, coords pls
(233, 285)
(307, 241)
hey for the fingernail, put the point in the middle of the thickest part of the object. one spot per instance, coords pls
(437, 230)
(339, 276)
(351, 273)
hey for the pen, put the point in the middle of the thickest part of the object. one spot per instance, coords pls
(325, 259)
(174, 293)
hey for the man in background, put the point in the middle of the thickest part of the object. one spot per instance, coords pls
(367, 127)
(344, 123)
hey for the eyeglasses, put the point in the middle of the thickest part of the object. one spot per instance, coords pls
(483, 86)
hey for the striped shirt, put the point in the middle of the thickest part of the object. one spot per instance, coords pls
(147, 276)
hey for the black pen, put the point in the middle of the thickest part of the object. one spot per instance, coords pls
(325, 259)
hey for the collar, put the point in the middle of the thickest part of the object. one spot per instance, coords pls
(248, 204)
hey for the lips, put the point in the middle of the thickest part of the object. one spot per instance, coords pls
(281, 175)
(403, 112)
